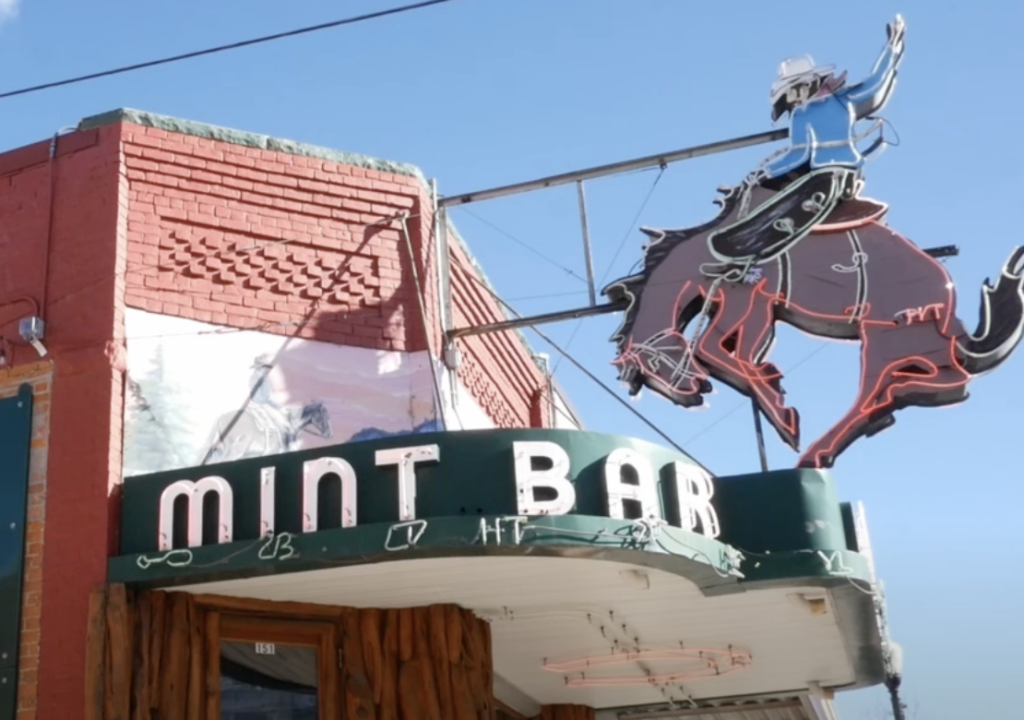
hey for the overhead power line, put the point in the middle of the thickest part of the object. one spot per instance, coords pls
(535, 251)
(223, 48)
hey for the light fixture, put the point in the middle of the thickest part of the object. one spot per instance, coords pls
(31, 330)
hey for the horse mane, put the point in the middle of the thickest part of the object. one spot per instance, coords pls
(663, 242)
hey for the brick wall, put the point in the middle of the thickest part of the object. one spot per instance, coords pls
(61, 252)
(38, 375)
(508, 397)
(252, 238)
(242, 236)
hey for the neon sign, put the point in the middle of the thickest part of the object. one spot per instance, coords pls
(796, 242)
(541, 473)
(692, 664)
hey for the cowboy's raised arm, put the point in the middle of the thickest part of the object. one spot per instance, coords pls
(871, 94)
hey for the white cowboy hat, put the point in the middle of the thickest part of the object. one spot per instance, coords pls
(796, 70)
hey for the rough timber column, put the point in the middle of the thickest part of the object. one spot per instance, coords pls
(427, 663)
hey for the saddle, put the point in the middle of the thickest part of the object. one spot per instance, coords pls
(852, 213)
(823, 199)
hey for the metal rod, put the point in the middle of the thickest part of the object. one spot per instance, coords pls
(943, 251)
(586, 243)
(537, 320)
(892, 684)
(759, 432)
(660, 160)
(427, 329)
(444, 282)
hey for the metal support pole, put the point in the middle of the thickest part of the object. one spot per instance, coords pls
(892, 684)
(586, 243)
(759, 432)
(444, 273)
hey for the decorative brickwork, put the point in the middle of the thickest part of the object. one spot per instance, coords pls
(259, 267)
(252, 238)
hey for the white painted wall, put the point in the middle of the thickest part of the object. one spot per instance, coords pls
(565, 416)
(460, 410)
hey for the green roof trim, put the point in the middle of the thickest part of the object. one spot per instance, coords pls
(292, 147)
(247, 139)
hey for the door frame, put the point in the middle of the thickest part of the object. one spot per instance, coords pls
(236, 627)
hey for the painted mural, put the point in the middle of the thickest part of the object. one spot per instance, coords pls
(200, 394)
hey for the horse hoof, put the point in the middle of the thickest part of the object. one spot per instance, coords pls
(706, 386)
(688, 401)
(791, 427)
(877, 425)
(817, 461)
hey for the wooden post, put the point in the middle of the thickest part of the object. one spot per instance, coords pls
(141, 707)
(212, 665)
(158, 610)
(358, 689)
(426, 663)
(175, 660)
(120, 654)
(196, 704)
(96, 654)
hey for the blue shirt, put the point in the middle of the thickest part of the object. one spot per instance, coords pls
(822, 130)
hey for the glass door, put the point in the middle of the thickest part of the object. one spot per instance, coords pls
(274, 670)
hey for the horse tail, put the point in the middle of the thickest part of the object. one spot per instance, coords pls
(1001, 325)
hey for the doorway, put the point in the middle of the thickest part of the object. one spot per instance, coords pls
(261, 669)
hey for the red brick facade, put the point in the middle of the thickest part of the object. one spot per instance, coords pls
(185, 220)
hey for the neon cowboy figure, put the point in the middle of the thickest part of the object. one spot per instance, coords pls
(801, 185)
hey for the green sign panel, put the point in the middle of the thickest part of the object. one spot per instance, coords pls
(485, 490)
(15, 440)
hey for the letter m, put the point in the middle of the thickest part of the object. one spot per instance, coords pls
(195, 492)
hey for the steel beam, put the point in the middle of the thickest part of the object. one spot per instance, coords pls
(943, 251)
(537, 320)
(660, 160)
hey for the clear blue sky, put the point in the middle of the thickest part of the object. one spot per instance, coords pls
(484, 92)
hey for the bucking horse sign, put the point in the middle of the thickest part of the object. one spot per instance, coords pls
(797, 242)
